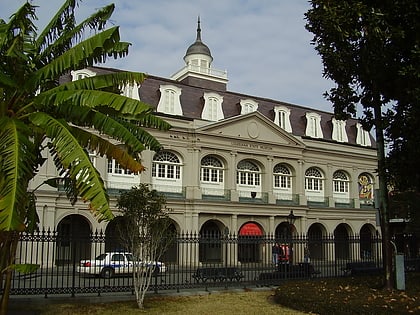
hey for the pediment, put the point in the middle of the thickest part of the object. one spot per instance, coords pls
(251, 127)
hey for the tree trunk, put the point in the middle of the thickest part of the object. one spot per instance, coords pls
(8, 249)
(383, 197)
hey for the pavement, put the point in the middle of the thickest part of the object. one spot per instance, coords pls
(17, 301)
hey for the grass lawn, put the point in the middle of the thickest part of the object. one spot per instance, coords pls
(335, 296)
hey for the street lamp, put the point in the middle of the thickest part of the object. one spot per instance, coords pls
(291, 218)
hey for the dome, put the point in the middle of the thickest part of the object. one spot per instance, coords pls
(198, 47)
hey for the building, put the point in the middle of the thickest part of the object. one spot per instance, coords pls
(237, 164)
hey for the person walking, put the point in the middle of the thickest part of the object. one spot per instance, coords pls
(275, 251)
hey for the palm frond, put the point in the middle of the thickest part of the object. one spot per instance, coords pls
(74, 159)
(110, 150)
(92, 50)
(100, 82)
(48, 49)
(93, 99)
(16, 169)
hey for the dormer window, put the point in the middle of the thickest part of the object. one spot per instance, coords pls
(81, 74)
(339, 130)
(131, 91)
(169, 102)
(248, 106)
(363, 137)
(282, 118)
(313, 125)
(212, 107)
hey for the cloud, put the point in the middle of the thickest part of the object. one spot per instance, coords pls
(262, 44)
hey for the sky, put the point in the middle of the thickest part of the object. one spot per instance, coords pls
(263, 44)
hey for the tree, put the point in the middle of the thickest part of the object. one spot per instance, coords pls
(39, 113)
(370, 50)
(145, 233)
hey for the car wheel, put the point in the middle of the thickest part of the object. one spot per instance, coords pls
(107, 273)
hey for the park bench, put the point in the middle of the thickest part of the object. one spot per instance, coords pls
(217, 274)
(361, 268)
(285, 271)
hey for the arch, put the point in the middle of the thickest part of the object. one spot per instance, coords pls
(314, 185)
(342, 241)
(73, 239)
(368, 242)
(170, 255)
(212, 176)
(167, 172)
(210, 246)
(113, 240)
(250, 241)
(316, 244)
(248, 179)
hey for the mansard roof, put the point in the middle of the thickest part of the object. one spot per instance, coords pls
(192, 103)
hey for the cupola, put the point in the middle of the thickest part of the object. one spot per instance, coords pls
(197, 70)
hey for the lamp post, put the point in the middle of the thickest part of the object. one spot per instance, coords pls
(291, 218)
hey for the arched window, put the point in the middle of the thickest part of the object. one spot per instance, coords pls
(248, 106)
(169, 102)
(282, 177)
(313, 180)
(211, 170)
(212, 107)
(340, 182)
(248, 174)
(115, 168)
(166, 165)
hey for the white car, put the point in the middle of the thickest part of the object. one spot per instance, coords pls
(109, 264)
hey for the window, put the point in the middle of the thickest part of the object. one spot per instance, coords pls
(248, 106)
(313, 125)
(282, 118)
(313, 180)
(166, 165)
(339, 130)
(282, 177)
(340, 182)
(81, 74)
(169, 102)
(212, 107)
(248, 174)
(362, 137)
(211, 170)
(115, 168)
(131, 91)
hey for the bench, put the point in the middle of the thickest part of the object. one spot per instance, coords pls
(285, 271)
(361, 268)
(217, 274)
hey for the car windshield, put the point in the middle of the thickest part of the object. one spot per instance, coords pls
(101, 257)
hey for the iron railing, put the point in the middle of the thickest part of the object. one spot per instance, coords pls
(187, 259)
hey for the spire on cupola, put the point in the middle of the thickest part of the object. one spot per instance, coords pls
(198, 70)
(198, 47)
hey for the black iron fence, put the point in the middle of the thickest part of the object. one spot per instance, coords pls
(192, 261)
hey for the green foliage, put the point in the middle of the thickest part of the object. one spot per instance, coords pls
(38, 111)
(144, 232)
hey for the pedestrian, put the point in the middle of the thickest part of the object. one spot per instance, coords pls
(275, 253)
(306, 255)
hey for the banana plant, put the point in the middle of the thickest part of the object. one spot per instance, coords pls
(39, 112)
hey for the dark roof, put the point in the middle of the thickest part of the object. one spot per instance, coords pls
(192, 103)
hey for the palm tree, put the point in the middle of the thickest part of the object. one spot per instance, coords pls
(39, 113)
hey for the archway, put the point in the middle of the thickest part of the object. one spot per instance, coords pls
(249, 243)
(73, 239)
(341, 242)
(210, 248)
(113, 241)
(171, 253)
(316, 243)
(367, 242)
